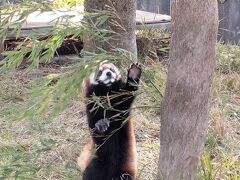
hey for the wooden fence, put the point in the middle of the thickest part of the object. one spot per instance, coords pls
(229, 21)
(229, 16)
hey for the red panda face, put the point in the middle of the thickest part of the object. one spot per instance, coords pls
(108, 74)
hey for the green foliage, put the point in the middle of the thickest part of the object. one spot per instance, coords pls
(152, 43)
(24, 161)
(221, 157)
(228, 59)
(224, 168)
(37, 51)
(49, 95)
(16, 163)
(46, 98)
(154, 84)
(67, 3)
(13, 17)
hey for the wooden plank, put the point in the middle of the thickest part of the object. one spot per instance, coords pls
(163, 26)
(150, 18)
(38, 20)
(47, 19)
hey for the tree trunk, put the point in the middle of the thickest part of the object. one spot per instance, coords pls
(185, 107)
(1, 49)
(121, 12)
(1, 41)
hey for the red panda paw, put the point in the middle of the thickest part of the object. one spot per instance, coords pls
(135, 71)
(102, 125)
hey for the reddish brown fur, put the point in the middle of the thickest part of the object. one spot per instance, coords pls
(87, 153)
(131, 165)
(118, 157)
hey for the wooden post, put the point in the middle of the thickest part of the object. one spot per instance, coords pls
(229, 21)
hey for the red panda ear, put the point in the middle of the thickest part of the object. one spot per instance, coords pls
(119, 78)
(87, 155)
(88, 83)
(90, 80)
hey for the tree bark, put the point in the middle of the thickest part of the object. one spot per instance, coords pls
(185, 107)
(1, 41)
(121, 12)
(1, 49)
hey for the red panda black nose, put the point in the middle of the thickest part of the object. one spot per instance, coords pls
(109, 74)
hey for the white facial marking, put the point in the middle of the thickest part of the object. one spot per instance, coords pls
(109, 74)
(107, 77)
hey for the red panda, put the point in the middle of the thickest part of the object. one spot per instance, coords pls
(110, 153)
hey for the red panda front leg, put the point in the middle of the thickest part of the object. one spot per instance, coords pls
(133, 77)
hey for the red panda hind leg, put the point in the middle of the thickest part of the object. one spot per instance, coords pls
(131, 163)
(87, 155)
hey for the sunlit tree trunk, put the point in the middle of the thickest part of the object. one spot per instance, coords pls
(121, 13)
(185, 107)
